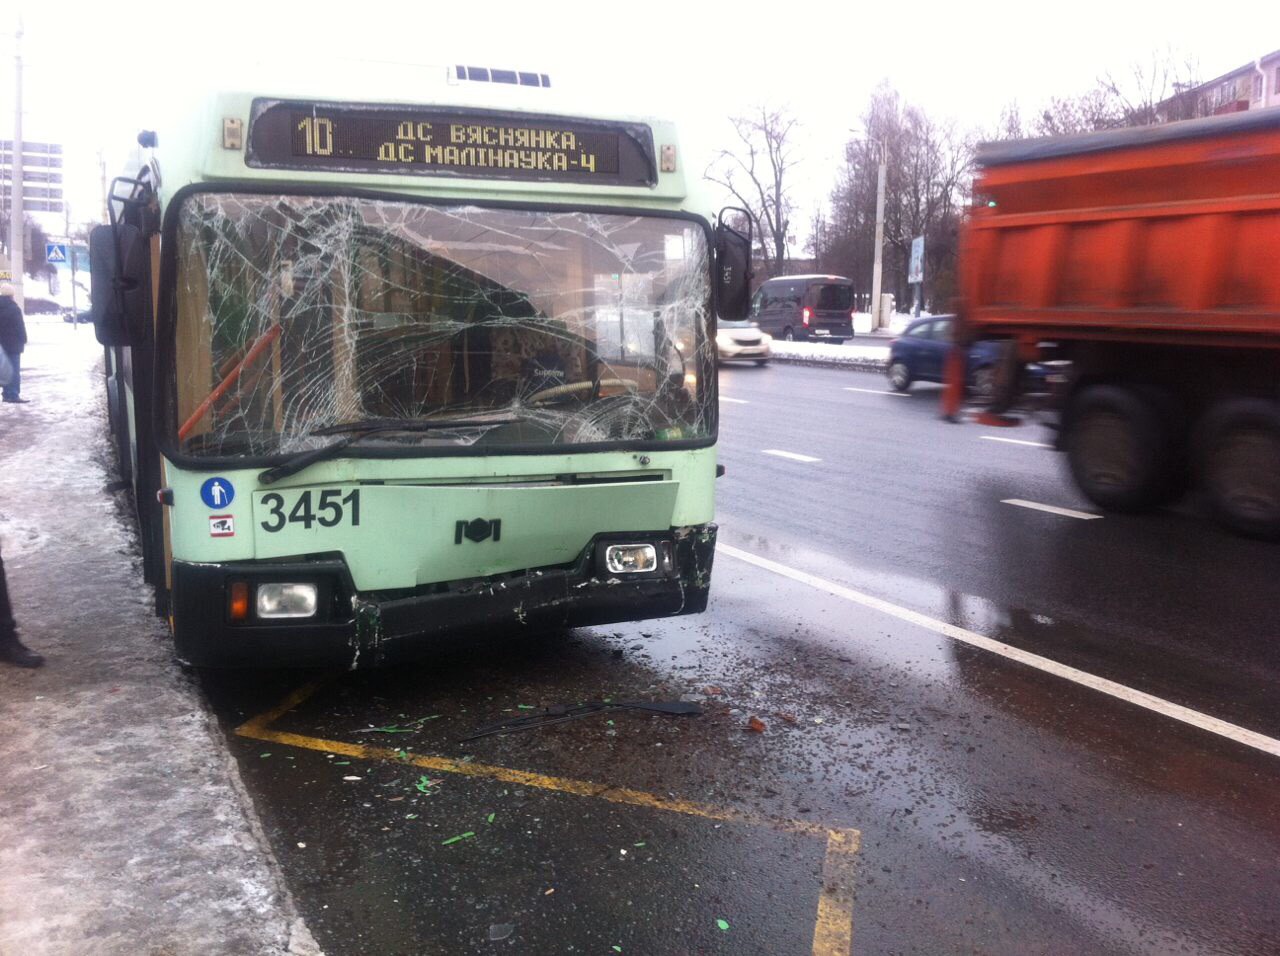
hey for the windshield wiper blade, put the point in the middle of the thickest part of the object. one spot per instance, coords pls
(354, 431)
(408, 424)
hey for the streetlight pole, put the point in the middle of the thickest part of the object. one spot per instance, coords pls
(876, 269)
(16, 217)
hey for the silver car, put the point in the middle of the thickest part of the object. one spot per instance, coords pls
(743, 342)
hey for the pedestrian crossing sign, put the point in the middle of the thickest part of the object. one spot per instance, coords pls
(55, 252)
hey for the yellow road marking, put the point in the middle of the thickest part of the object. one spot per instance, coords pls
(267, 718)
(833, 934)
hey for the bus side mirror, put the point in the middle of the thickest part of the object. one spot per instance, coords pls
(733, 266)
(120, 284)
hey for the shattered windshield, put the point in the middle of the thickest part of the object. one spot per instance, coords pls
(296, 314)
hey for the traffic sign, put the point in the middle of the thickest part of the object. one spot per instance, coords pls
(915, 272)
(55, 252)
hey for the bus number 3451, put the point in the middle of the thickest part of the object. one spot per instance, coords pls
(329, 509)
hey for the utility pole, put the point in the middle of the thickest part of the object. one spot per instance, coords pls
(17, 221)
(71, 256)
(876, 318)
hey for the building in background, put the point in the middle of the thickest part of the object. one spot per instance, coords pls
(42, 201)
(41, 175)
(1253, 86)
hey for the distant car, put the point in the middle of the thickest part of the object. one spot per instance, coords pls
(919, 355)
(34, 306)
(743, 342)
(76, 318)
(809, 308)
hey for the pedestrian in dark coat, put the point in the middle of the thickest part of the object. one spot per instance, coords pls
(13, 339)
(12, 649)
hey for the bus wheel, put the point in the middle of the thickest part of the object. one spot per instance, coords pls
(1238, 464)
(1119, 448)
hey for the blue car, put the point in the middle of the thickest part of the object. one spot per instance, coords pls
(919, 355)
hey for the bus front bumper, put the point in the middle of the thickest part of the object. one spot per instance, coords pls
(370, 629)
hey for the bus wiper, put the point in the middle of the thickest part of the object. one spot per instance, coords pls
(354, 431)
(409, 424)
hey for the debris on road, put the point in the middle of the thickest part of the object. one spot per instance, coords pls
(461, 836)
(426, 785)
(723, 925)
(500, 931)
(756, 725)
(561, 713)
(406, 728)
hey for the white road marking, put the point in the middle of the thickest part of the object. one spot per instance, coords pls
(1158, 705)
(735, 401)
(790, 454)
(1052, 509)
(876, 391)
(1016, 441)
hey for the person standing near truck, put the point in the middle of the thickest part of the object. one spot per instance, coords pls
(13, 339)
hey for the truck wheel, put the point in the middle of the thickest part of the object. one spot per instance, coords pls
(788, 335)
(1119, 447)
(1238, 465)
(984, 383)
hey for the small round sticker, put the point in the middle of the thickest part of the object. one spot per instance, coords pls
(217, 493)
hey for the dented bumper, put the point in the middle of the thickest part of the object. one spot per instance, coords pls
(369, 629)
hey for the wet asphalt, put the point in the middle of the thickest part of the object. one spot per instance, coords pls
(997, 808)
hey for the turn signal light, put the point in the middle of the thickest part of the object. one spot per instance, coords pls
(238, 601)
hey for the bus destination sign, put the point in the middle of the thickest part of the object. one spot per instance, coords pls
(400, 140)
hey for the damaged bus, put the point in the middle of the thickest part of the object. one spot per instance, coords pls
(380, 371)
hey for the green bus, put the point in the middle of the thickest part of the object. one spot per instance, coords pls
(379, 371)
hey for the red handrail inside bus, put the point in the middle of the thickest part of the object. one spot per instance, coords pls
(263, 342)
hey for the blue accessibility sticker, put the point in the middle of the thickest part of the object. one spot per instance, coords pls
(217, 493)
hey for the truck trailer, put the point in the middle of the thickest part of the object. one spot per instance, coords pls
(1147, 262)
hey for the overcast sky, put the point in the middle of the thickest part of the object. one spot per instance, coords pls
(96, 72)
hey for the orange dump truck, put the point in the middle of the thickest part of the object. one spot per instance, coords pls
(1149, 260)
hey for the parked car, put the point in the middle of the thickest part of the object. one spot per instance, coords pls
(743, 342)
(919, 355)
(76, 318)
(805, 308)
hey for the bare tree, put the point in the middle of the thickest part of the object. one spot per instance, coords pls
(1092, 110)
(927, 172)
(756, 173)
(1151, 92)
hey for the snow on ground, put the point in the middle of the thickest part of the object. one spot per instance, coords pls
(862, 353)
(825, 353)
(125, 828)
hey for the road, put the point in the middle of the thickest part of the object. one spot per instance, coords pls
(987, 727)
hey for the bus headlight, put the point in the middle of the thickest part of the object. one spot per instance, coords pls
(287, 600)
(630, 558)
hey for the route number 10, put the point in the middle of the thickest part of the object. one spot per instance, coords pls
(319, 135)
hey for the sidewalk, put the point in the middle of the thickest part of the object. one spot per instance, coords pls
(123, 825)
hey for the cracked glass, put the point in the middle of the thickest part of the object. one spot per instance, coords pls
(302, 317)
